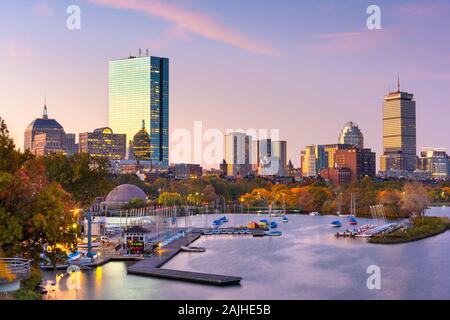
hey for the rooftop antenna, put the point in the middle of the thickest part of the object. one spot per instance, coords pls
(398, 83)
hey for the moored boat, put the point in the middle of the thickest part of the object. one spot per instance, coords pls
(192, 249)
(336, 224)
(273, 233)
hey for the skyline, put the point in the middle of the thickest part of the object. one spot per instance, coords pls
(227, 66)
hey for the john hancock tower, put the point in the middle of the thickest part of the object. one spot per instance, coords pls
(139, 90)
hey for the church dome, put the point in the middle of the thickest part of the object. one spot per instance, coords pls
(141, 145)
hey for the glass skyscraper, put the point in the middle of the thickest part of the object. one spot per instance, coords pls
(399, 132)
(139, 90)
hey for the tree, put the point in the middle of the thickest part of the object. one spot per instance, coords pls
(169, 199)
(210, 193)
(5, 273)
(35, 214)
(415, 199)
(83, 176)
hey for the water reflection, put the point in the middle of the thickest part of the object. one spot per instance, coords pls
(307, 262)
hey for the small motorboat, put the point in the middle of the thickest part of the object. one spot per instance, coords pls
(273, 225)
(208, 233)
(336, 224)
(192, 249)
(314, 214)
(284, 219)
(273, 233)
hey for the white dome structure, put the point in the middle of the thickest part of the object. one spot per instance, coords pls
(123, 194)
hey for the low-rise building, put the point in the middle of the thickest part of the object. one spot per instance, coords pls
(103, 142)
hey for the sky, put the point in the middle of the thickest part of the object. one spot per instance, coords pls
(303, 67)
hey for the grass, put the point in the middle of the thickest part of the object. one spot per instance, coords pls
(422, 228)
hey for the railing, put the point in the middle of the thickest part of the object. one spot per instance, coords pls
(16, 266)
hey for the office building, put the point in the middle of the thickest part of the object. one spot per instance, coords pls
(271, 157)
(103, 142)
(238, 154)
(435, 161)
(44, 136)
(139, 90)
(360, 162)
(399, 132)
(309, 162)
(351, 134)
(71, 145)
(183, 171)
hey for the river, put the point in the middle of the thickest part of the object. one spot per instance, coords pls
(307, 262)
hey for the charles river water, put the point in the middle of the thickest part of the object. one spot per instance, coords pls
(307, 262)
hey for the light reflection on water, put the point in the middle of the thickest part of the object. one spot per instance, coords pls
(307, 262)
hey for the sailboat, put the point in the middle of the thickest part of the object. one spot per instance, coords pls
(352, 218)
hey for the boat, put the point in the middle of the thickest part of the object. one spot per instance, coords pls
(208, 233)
(265, 221)
(273, 225)
(352, 221)
(73, 256)
(314, 214)
(192, 249)
(285, 219)
(336, 224)
(273, 233)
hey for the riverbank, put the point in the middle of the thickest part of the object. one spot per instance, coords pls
(422, 228)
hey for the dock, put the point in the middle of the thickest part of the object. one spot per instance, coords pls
(151, 267)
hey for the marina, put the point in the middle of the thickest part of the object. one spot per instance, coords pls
(308, 252)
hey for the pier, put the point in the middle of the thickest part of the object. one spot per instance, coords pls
(151, 267)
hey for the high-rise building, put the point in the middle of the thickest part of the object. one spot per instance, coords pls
(279, 154)
(44, 136)
(271, 157)
(435, 161)
(139, 90)
(238, 154)
(103, 142)
(309, 162)
(141, 146)
(351, 134)
(399, 132)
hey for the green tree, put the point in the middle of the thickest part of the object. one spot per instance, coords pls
(169, 199)
(85, 177)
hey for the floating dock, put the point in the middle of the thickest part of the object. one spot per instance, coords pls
(151, 266)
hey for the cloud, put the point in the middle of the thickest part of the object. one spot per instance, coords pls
(192, 21)
(349, 42)
(43, 8)
(15, 50)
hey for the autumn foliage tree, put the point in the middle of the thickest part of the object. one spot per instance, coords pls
(35, 214)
